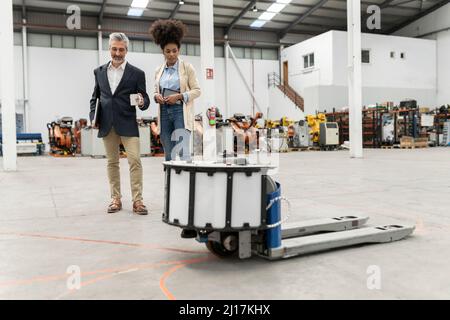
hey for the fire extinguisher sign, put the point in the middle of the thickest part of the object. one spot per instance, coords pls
(209, 73)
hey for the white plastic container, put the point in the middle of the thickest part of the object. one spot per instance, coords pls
(215, 196)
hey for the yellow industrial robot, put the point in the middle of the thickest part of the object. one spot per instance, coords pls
(314, 122)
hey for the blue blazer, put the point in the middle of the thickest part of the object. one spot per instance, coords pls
(115, 109)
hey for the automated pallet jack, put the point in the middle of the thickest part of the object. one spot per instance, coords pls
(235, 209)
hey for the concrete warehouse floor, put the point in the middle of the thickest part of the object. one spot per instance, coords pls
(52, 216)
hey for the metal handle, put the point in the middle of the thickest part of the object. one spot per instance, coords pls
(271, 203)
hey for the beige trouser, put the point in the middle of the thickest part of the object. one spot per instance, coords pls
(132, 147)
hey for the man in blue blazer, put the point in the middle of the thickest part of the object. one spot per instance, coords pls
(116, 83)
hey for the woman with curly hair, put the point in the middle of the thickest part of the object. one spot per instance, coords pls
(176, 87)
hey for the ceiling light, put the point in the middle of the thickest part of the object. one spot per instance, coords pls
(254, 9)
(258, 23)
(276, 7)
(267, 16)
(135, 12)
(181, 2)
(139, 4)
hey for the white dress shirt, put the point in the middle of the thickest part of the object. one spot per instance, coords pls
(115, 75)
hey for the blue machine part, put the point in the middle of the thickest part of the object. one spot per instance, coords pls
(25, 136)
(273, 235)
(202, 238)
(35, 137)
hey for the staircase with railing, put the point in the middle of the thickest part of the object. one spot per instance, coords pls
(275, 81)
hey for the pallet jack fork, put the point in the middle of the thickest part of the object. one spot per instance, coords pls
(340, 232)
(312, 236)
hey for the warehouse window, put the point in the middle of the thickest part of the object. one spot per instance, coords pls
(151, 47)
(269, 54)
(197, 50)
(218, 51)
(56, 41)
(247, 53)
(190, 49)
(238, 52)
(17, 39)
(403, 55)
(86, 43)
(137, 45)
(308, 61)
(257, 53)
(39, 40)
(365, 56)
(183, 49)
(311, 60)
(68, 42)
(105, 44)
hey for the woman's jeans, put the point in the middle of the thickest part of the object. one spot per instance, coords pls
(174, 137)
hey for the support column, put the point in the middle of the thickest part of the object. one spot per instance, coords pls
(100, 44)
(7, 85)
(25, 75)
(227, 80)
(207, 74)
(354, 77)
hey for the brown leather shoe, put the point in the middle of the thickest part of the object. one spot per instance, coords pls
(139, 208)
(115, 206)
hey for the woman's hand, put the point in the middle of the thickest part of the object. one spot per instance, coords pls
(159, 98)
(172, 99)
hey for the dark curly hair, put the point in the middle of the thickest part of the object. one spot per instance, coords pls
(168, 31)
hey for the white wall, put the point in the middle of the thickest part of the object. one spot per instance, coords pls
(435, 25)
(384, 79)
(417, 71)
(18, 78)
(321, 73)
(282, 106)
(307, 82)
(61, 82)
(443, 62)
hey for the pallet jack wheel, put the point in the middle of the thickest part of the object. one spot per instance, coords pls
(226, 248)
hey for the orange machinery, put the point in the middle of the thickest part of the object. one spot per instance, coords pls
(61, 137)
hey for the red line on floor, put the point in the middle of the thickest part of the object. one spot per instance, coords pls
(139, 245)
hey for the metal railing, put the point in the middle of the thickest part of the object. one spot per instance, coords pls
(274, 80)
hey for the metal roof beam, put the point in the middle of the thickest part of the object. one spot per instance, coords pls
(102, 12)
(302, 18)
(418, 16)
(175, 10)
(239, 16)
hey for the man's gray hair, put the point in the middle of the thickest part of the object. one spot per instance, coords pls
(119, 36)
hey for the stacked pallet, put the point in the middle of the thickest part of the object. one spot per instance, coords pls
(421, 143)
(407, 142)
(411, 143)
